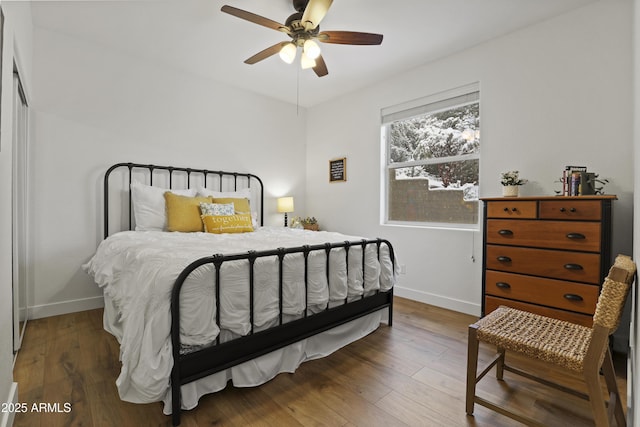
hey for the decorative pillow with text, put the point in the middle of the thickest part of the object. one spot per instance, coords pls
(219, 224)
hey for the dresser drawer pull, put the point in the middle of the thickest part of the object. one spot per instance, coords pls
(573, 297)
(573, 266)
(502, 258)
(512, 209)
(505, 232)
(576, 236)
(503, 285)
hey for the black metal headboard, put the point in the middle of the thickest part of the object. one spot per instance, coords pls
(225, 181)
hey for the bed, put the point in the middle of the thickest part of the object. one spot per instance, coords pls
(195, 309)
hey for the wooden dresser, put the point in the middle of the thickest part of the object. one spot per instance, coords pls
(547, 255)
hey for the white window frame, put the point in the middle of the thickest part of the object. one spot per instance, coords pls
(442, 101)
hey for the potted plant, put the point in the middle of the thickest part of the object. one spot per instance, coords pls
(310, 223)
(511, 183)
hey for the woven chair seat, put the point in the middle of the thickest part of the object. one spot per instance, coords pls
(551, 340)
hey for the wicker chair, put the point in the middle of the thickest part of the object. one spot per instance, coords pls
(570, 346)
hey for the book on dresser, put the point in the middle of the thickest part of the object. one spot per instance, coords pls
(547, 255)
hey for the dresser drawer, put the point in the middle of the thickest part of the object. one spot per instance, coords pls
(573, 266)
(512, 209)
(491, 303)
(571, 209)
(580, 236)
(537, 290)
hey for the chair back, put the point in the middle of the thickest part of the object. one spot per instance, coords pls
(614, 293)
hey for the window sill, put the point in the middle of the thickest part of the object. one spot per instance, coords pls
(432, 225)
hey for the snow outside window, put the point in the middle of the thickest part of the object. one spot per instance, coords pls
(431, 151)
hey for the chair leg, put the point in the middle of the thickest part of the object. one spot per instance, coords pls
(472, 368)
(592, 380)
(612, 387)
(500, 364)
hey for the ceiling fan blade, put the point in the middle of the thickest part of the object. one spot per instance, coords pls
(314, 12)
(264, 54)
(256, 19)
(320, 68)
(350, 37)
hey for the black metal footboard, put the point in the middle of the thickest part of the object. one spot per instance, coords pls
(191, 366)
(206, 361)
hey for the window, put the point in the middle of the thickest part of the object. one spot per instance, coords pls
(432, 155)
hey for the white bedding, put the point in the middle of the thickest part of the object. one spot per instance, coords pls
(137, 271)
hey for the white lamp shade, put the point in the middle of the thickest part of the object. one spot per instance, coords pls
(306, 62)
(288, 52)
(285, 204)
(311, 49)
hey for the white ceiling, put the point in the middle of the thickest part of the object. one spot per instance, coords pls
(195, 36)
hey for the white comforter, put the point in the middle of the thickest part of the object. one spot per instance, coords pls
(137, 271)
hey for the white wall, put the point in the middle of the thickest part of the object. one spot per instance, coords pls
(553, 94)
(94, 107)
(16, 47)
(633, 385)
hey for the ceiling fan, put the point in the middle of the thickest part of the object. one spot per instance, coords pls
(303, 28)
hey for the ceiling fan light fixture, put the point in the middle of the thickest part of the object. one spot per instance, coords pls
(288, 53)
(306, 62)
(311, 49)
(303, 27)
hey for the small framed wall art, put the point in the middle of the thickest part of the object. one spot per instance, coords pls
(338, 170)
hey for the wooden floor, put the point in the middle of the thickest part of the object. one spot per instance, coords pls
(411, 374)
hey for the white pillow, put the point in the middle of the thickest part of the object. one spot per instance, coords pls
(244, 193)
(149, 208)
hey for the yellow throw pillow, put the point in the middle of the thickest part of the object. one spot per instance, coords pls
(240, 205)
(227, 223)
(183, 212)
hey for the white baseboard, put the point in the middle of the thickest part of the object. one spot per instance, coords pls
(65, 307)
(439, 301)
(7, 417)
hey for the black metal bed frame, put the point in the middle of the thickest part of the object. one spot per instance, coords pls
(191, 366)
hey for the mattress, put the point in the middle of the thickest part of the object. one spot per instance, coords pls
(137, 270)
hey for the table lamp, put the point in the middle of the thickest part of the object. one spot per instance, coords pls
(285, 205)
